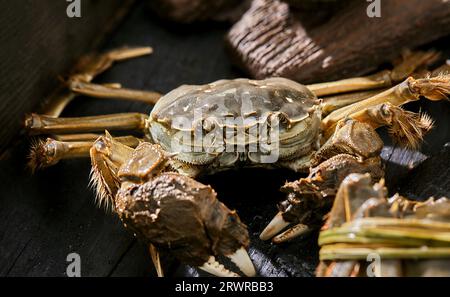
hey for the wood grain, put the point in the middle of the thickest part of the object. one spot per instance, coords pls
(270, 40)
(39, 43)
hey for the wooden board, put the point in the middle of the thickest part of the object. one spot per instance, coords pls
(45, 217)
(39, 42)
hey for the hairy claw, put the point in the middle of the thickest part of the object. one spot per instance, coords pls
(49, 152)
(405, 127)
(40, 155)
(408, 128)
(433, 88)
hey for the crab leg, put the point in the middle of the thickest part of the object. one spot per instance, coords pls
(86, 70)
(76, 137)
(410, 63)
(375, 81)
(58, 101)
(332, 103)
(42, 124)
(108, 91)
(435, 88)
(405, 127)
(242, 260)
(90, 66)
(49, 152)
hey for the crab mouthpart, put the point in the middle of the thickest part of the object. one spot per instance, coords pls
(277, 224)
(243, 262)
(217, 269)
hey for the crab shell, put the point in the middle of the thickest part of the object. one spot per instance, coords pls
(240, 121)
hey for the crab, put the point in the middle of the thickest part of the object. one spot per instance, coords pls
(228, 124)
(367, 234)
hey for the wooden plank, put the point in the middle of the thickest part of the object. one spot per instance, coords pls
(39, 43)
(431, 178)
(44, 218)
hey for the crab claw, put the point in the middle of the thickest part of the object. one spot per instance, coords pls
(217, 269)
(291, 233)
(277, 225)
(240, 258)
(175, 213)
(310, 199)
(243, 261)
(302, 208)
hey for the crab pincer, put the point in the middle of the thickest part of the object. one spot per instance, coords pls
(168, 210)
(351, 145)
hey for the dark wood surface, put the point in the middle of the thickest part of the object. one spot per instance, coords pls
(39, 42)
(46, 216)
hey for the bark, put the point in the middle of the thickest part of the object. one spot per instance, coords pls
(270, 40)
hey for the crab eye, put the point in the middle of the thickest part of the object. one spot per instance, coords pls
(231, 219)
(385, 110)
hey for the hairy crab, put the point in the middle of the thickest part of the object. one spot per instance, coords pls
(367, 234)
(227, 124)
